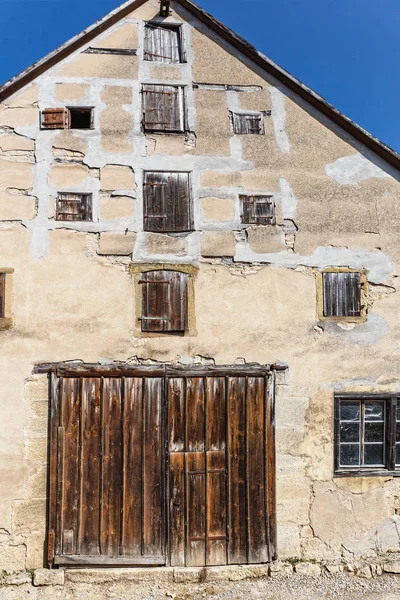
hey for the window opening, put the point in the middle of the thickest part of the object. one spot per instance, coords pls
(74, 207)
(167, 202)
(244, 124)
(257, 210)
(164, 301)
(80, 118)
(163, 108)
(163, 44)
(342, 294)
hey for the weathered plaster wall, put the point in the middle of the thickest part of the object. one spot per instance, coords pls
(255, 292)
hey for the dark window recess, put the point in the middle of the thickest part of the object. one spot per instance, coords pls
(74, 207)
(167, 202)
(257, 210)
(367, 433)
(2, 295)
(163, 108)
(246, 124)
(66, 118)
(163, 44)
(164, 301)
(80, 118)
(342, 294)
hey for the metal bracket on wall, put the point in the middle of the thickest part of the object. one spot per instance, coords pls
(164, 8)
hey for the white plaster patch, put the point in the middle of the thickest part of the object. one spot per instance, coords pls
(288, 200)
(378, 265)
(278, 114)
(366, 334)
(350, 170)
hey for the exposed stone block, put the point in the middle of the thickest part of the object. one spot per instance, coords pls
(167, 73)
(65, 241)
(70, 91)
(125, 37)
(392, 567)
(236, 572)
(113, 208)
(266, 239)
(288, 540)
(116, 94)
(43, 577)
(14, 174)
(218, 209)
(98, 65)
(189, 575)
(157, 243)
(119, 244)
(35, 550)
(69, 175)
(308, 569)
(158, 575)
(115, 177)
(18, 579)
(116, 124)
(13, 141)
(29, 516)
(218, 243)
(16, 207)
(12, 558)
(278, 568)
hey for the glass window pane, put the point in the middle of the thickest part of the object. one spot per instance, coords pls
(373, 454)
(397, 454)
(350, 432)
(350, 411)
(398, 411)
(350, 455)
(374, 411)
(374, 432)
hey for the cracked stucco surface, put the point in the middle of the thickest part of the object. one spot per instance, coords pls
(255, 294)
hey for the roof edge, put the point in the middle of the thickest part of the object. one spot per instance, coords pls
(360, 134)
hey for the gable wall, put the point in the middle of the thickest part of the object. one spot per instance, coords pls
(255, 295)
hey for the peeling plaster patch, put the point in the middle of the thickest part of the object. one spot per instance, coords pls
(278, 114)
(350, 170)
(366, 334)
(378, 265)
(39, 242)
(384, 537)
(288, 200)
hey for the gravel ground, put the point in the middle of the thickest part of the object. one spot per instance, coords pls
(296, 587)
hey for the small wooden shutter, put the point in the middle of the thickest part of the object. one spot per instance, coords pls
(167, 202)
(163, 108)
(245, 124)
(342, 294)
(164, 301)
(258, 210)
(54, 118)
(2, 294)
(74, 207)
(162, 44)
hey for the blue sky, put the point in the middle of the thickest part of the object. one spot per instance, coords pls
(346, 50)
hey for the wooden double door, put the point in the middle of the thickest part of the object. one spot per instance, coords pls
(161, 466)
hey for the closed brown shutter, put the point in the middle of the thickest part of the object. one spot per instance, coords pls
(167, 202)
(2, 294)
(342, 294)
(163, 108)
(54, 118)
(162, 44)
(258, 210)
(74, 207)
(246, 124)
(164, 301)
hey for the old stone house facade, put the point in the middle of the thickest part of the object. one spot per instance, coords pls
(198, 309)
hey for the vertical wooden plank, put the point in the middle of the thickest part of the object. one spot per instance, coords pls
(237, 471)
(195, 414)
(132, 487)
(216, 508)
(152, 468)
(178, 301)
(71, 422)
(111, 489)
(216, 413)
(177, 509)
(196, 513)
(257, 534)
(176, 414)
(89, 535)
(271, 467)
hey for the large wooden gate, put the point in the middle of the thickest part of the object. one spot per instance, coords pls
(161, 466)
